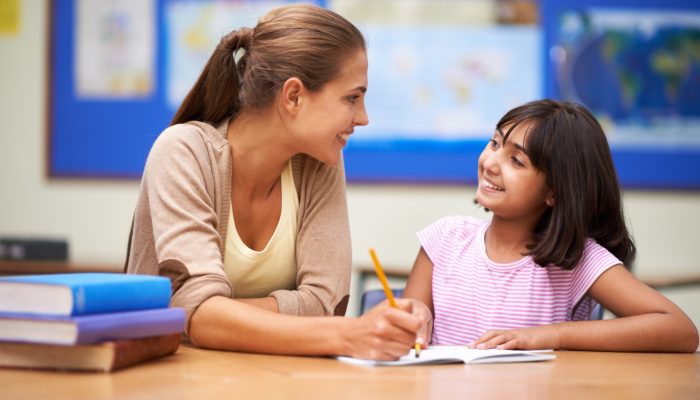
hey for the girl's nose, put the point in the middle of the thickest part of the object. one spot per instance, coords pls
(491, 162)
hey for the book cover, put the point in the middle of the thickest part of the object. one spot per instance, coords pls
(82, 293)
(456, 354)
(102, 357)
(91, 328)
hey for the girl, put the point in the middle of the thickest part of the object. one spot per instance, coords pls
(242, 201)
(556, 245)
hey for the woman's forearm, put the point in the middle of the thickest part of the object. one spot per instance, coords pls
(265, 303)
(226, 324)
(383, 333)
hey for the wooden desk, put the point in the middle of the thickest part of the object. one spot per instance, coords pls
(204, 374)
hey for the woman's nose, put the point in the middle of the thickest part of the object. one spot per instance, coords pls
(361, 118)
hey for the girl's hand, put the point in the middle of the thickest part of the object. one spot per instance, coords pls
(383, 333)
(534, 338)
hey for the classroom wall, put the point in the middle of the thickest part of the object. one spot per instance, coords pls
(94, 215)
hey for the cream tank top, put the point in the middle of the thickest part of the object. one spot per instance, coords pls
(258, 273)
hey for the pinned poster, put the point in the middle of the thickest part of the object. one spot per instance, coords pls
(9, 17)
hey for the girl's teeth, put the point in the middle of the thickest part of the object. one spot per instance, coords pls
(492, 186)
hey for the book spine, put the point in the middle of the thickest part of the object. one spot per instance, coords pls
(128, 353)
(120, 296)
(129, 325)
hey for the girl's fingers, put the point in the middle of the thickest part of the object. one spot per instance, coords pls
(494, 341)
(485, 338)
(509, 345)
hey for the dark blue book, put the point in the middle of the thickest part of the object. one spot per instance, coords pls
(82, 293)
(89, 329)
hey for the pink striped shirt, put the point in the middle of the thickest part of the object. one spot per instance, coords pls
(472, 294)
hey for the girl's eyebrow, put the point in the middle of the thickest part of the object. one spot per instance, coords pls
(519, 147)
(516, 145)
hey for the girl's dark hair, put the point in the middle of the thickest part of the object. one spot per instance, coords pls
(301, 40)
(568, 145)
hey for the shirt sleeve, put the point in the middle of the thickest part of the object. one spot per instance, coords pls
(596, 260)
(177, 180)
(324, 258)
(432, 237)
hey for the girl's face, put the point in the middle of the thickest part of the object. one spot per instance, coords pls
(331, 114)
(509, 185)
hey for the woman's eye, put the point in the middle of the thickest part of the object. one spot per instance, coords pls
(493, 143)
(516, 161)
(353, 99)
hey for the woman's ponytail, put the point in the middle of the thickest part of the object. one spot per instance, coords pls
(215, 95)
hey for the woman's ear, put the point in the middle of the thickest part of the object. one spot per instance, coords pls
(291, 93)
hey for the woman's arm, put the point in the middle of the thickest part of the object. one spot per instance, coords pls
(420, 287)
(647, 321)
(383, 333)
(266, 303)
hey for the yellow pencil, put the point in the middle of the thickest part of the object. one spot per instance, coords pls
(387, 290)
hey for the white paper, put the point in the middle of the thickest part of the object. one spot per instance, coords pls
(456, 354)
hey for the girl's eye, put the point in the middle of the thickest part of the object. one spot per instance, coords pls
(493, 143)
(517, 162)
(353, 99)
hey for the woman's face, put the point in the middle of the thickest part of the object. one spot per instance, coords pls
(331, 114)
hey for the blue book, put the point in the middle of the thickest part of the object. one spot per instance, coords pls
(82, 293)
(89, 329)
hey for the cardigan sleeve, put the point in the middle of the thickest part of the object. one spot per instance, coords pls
(323, 243)
(179, 185)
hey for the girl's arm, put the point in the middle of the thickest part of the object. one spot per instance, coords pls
(383, 333)
(420, 287)
(647, 321)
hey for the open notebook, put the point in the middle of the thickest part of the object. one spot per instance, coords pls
(457, 354)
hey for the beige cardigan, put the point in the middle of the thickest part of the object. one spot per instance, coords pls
(181, 218)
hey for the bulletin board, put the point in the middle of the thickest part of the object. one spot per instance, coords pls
(635, 65)
(100, 132)
(423, 128)
(435, 91)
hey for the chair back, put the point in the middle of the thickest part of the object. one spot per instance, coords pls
(597, 312)
(371, 298)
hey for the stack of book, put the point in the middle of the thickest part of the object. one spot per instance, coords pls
(86, 321)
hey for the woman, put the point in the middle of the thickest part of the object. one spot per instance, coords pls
(242, 201)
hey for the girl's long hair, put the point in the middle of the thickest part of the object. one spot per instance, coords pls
(568, 145)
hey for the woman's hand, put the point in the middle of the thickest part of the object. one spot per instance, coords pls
(422, 312)
(383, 333)
(534, 338)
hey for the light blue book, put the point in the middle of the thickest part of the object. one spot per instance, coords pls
(82, 293)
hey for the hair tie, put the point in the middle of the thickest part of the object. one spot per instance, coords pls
(238, 54)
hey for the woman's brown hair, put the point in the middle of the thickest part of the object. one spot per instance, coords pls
(301, 40)
(566, 143)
